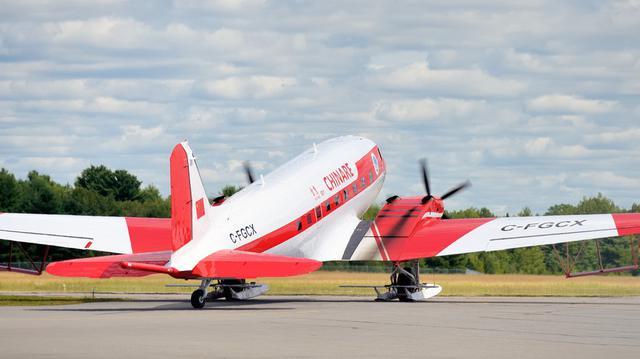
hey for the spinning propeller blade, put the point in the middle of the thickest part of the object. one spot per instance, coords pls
(427, 186)
(456, 189)
(248, 171)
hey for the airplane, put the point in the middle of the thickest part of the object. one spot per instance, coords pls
(289, 222)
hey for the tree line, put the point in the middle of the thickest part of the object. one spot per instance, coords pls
(100, 191)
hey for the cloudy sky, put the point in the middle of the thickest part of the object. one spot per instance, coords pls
(536, 103)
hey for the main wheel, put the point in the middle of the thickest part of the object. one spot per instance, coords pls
(198, 299)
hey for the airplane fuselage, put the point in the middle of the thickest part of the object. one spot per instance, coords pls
(298, 208)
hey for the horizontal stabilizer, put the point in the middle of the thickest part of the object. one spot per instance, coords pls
(109, 266)
(241, 264)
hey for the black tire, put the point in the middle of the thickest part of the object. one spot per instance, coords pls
(198, 299)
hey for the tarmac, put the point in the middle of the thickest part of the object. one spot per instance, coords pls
(152, 326)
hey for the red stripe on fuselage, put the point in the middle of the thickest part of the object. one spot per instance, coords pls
(290, 230)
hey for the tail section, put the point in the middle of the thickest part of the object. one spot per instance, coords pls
(189, 203)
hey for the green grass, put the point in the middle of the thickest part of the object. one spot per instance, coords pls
(24, 300)
(327, 283)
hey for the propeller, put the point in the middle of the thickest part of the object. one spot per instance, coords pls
(393, 231)
(248, 171)
(427, 187)
(425, 180)
(456, 189)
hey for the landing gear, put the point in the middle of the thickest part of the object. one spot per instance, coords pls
(406, 281)
(198, 299)
(405, 285)
(230, 289)
(199, 296)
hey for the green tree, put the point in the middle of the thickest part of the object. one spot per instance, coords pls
(229, 190)
(119, 184)
(471, 212)
(150, 193)
(39, 194)
(82, 201)
(371, 212)
(9, 192)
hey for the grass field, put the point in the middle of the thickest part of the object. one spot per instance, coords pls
(327, 283)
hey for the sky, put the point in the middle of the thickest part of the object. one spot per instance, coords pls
(536, 103)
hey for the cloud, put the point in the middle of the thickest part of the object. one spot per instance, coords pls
(607, 180)
(528, 100)
(252, 87)
(469, 82)
(426, 109)
(102, 32)
(559, 103)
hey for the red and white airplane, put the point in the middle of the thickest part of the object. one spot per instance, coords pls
(288, 222)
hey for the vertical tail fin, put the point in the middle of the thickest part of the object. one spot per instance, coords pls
(189, 203)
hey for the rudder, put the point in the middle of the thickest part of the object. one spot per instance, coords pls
(189, 203)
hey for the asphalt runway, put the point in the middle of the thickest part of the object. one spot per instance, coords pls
(337, 327)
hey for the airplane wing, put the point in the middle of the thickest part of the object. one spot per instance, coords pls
(124, 235)
(410, 228)
(240, 264)
(221, 264)
(436, 237)
(109, 266)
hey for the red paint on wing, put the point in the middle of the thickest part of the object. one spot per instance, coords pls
(376, 236)
(181, 231)
(107, 266)
(149, 234)
(430, 237)
(627, 223)
(240, 264)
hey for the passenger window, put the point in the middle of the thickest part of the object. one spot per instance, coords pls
(345, 194)
(318, 212)
(328, 206)
(355, 187)
(336, 200)
(310, 218)
(370, 177)
(362, 182)
(299, 225)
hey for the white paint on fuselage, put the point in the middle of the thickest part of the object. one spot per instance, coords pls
(285, 196)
